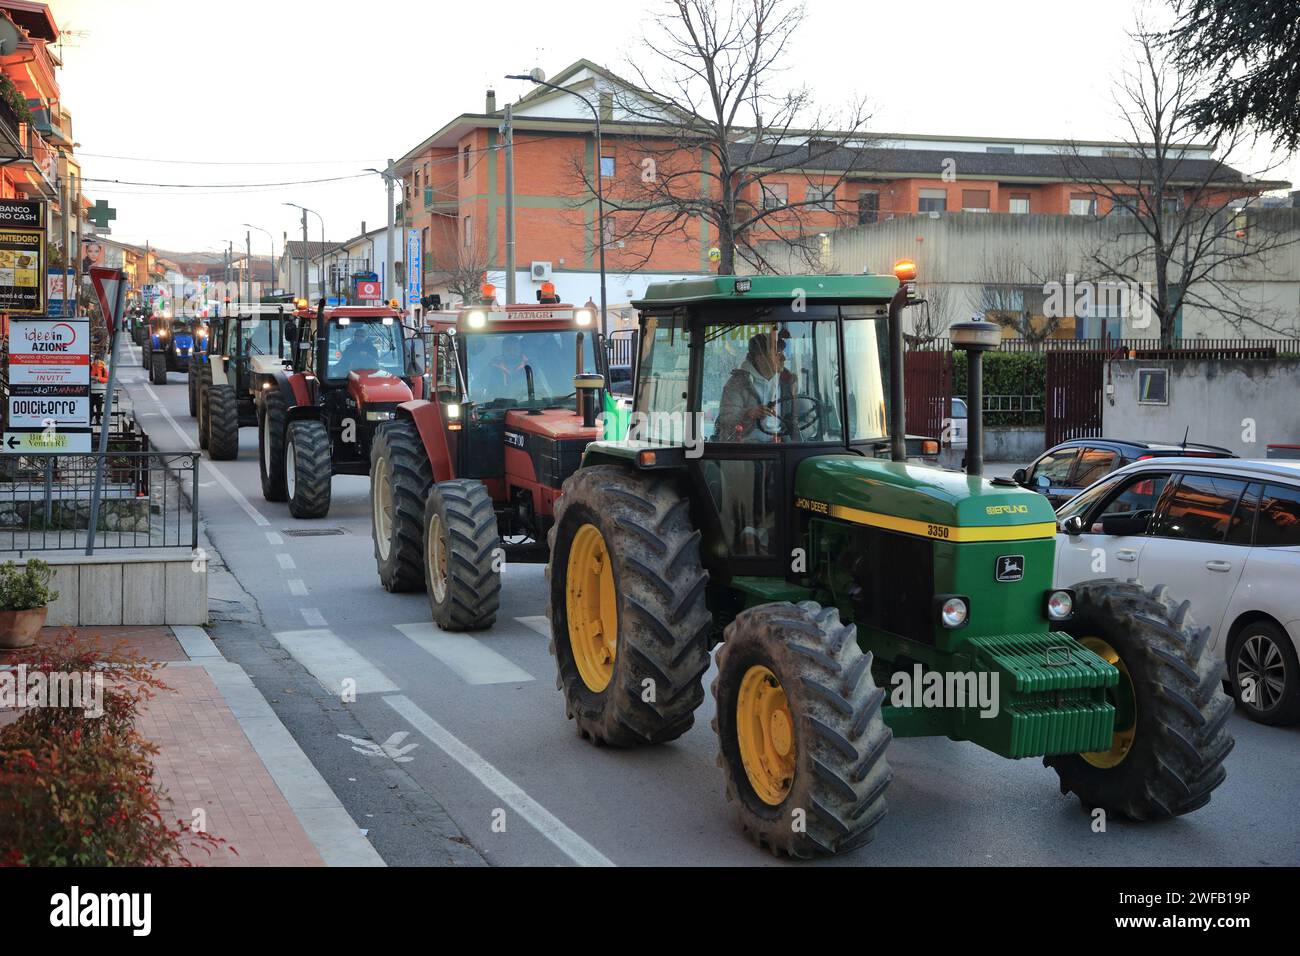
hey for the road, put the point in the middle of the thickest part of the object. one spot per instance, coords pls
(498, 775)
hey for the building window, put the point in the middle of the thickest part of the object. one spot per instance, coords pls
(1083, 204)
(467, 231)
(1153, 386)
(1019, 204)
(607, 167)
(417, 180)
(1171, 205)
(1000, 149)
(465, 153)
(932, 200)
(775, 195)
(868, 206)
(424, 244)
(821, 197)
(975, 200)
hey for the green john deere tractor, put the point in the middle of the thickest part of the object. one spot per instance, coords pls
(763, 499)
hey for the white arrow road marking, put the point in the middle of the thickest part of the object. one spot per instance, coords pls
(331, 660)
(539, 623)
(534, 814)
(475, 662)
(392, 747)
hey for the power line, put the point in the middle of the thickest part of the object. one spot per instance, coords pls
(232, 162)
(291, 182)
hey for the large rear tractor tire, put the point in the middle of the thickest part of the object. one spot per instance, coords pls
(222, 422)
(158, 369)
(308, 469)
(1170, 740)
(630, 629)
(462, 555)
(271, 432)
(801, 738)
(400, 477)
(203, 417)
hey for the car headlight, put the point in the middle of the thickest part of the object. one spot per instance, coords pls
(954, 612)
(1060, 605)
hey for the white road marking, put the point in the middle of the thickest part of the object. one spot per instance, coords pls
(391, 748)
(539, 623)
(274, 538)
(472, 660)
(537, 816)
(331, 660)
(286, 562)
(209, 467)
(313, 617)
(297, 587)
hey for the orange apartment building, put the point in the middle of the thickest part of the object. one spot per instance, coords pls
(454, 189)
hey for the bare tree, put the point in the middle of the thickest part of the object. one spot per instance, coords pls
(718, 140)
(931, 320)
(1188, 225)
(462, 267)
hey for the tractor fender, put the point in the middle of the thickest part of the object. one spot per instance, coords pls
(427, 418)
(305, 413)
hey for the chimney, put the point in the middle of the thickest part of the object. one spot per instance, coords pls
(491, 101)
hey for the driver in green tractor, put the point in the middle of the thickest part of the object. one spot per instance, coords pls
(835, 571)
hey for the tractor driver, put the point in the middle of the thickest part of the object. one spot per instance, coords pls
(749, 396)
(507, 373)
(360, 352)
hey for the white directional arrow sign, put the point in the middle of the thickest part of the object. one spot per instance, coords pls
(391, 748)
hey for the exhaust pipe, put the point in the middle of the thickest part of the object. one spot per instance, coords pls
(897, 394)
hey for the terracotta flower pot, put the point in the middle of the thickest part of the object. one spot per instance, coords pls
(19, 628)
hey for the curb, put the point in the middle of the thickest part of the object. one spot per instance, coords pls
(328, 825)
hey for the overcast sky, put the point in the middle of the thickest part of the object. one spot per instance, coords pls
(270, 91)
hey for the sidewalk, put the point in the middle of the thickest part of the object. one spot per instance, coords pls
(222, 750)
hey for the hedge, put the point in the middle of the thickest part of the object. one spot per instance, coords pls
(1007, 373)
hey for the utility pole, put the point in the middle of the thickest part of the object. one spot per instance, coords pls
(248, 264)
(63, 239)
(508, 132)
(76, 259)
(306, 292)
(390, 241)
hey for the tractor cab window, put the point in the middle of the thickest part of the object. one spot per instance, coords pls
(446, 372)
(866, 357)
(663, 379)
(259, 336)
(524, 369)
(771, 381)
(356, 345)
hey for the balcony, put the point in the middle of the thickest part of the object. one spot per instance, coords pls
(39, 162)
(11, 146)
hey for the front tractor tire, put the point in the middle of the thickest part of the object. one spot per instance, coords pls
(222, 422)
(1170, 740)
(194, 383)
(308, 469)
(272, 428)
(461, 555)
(801, 737)
(630, 628)
(400, 478)
(158, 369)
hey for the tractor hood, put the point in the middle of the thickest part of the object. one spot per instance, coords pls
(376, 388)
(560, 424)
(913, 499)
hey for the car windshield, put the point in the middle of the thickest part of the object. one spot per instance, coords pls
(524, 369)
(364, 345)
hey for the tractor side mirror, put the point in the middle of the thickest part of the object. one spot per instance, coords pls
(415, 356)
(1020, 476)
(1133, 522)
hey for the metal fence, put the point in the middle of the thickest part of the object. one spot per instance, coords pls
(149, 499)
(1144, 348)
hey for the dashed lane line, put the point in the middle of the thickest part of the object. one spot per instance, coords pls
(313, 617)
(286, 562)
(511, 794)
(297, 587)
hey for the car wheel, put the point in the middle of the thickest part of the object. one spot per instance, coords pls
(1265, 674)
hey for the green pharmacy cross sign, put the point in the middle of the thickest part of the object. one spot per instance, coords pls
(101, 214)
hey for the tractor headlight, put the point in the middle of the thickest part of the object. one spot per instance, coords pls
(379, 416)
(582, 316)
(954, 611)
(453, 417)
(476, 319)
(1060, 605)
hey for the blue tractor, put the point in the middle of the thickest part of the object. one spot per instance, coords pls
(173, 342)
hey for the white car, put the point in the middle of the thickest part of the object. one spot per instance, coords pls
(1221, 533)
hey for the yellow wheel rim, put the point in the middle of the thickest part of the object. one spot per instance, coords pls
(1125, 701)
(591, 603)
(765, 733)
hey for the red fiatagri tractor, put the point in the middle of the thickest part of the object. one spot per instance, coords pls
(468, 478)
(351, 367)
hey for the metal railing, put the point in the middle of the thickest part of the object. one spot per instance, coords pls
(149, 499)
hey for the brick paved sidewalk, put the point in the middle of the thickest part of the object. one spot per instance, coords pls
(207, 762)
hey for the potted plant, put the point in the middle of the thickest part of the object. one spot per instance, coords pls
(25, 596)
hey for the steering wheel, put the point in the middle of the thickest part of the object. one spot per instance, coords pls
(793, 421)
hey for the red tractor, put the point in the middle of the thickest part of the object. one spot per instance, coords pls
(351, 367)
(468, 478)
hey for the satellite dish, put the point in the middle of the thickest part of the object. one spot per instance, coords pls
(8, 37)
(538, 74)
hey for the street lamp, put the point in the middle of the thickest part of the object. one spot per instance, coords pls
(249, 225)
(390, 273)
(305, 210)
(538, 77)
(976, 337)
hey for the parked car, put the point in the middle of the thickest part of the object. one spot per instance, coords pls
(957, 435)
(1222, 533)
(1065, 469)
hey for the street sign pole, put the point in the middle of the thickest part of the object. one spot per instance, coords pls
(106, 413)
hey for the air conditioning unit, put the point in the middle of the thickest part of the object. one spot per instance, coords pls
(541, 271)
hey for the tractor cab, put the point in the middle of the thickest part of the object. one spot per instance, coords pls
(171, 344)
(517, 388)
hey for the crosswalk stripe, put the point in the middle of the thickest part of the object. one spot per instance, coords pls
(331, 660)
(471, 659)
(539, 623)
